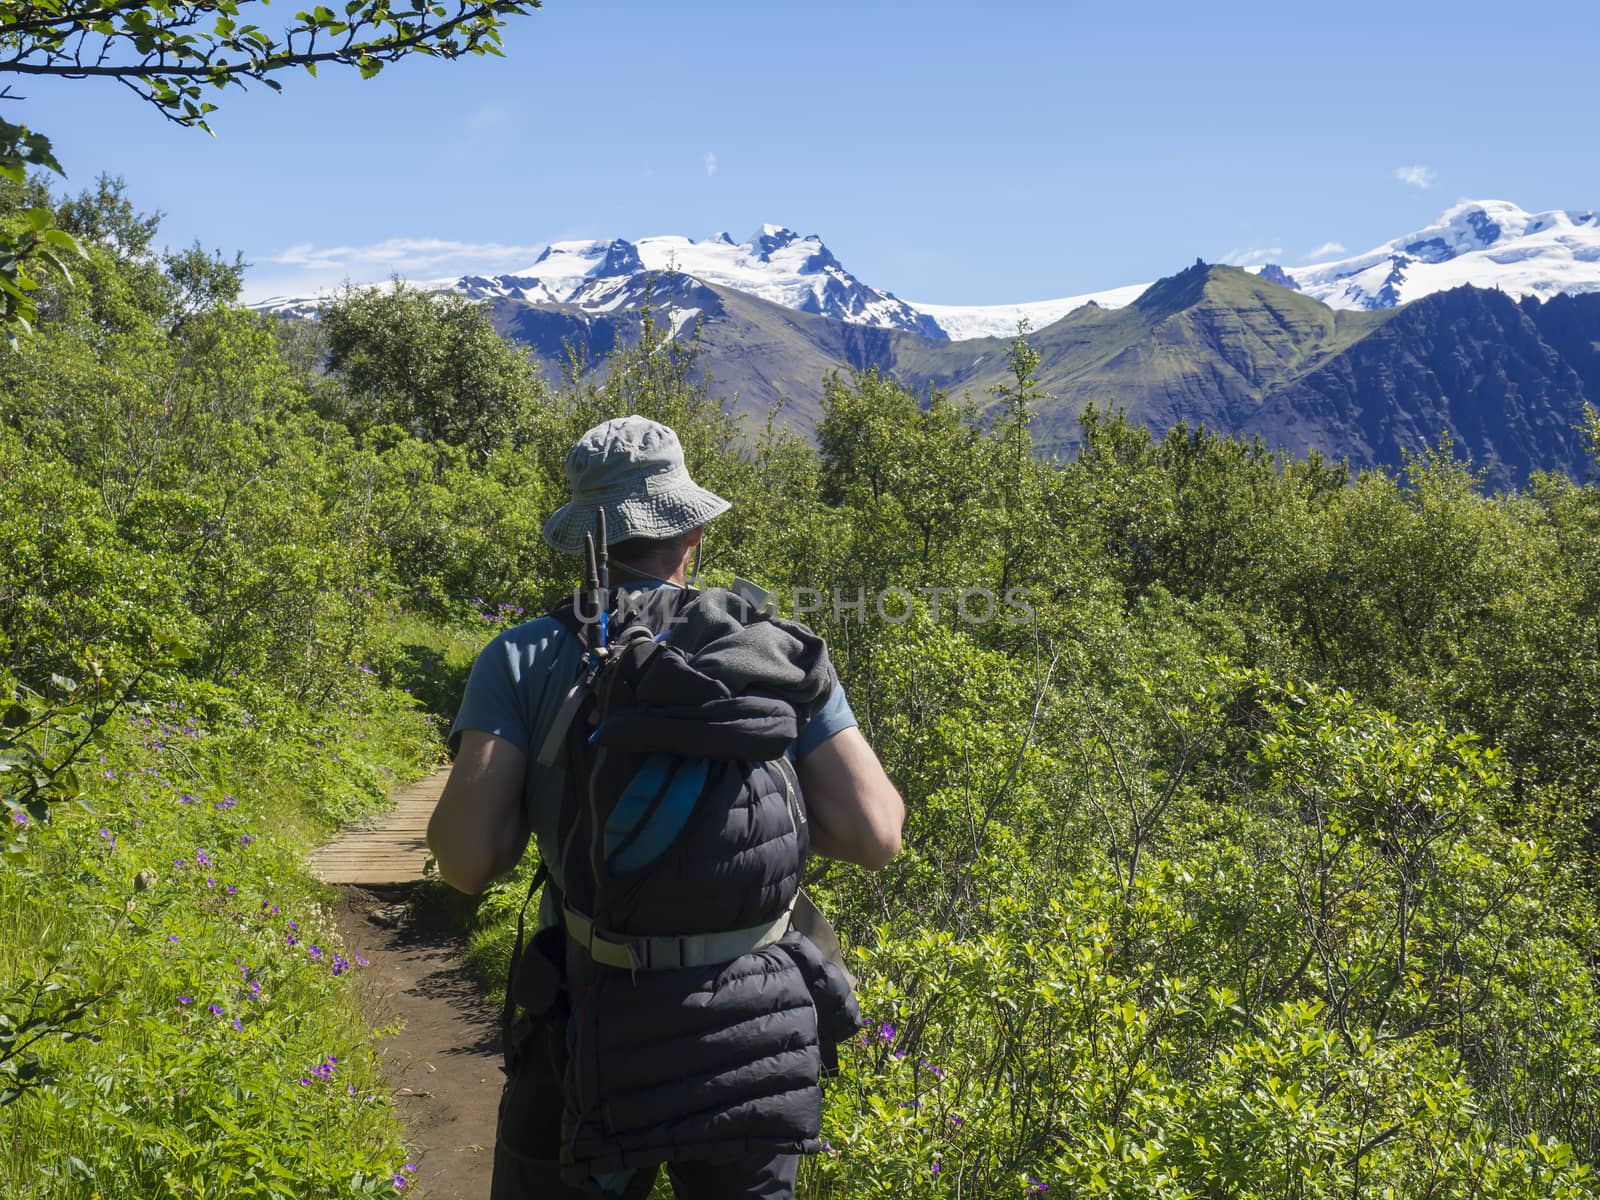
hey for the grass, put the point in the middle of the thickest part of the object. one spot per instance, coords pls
(223, 1051)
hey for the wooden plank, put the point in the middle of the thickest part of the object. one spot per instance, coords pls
(394, 850)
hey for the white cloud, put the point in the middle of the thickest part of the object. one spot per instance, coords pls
(711, 163)
(1417, 176)
(404, 256)
(1252, 258)
(1326, 250)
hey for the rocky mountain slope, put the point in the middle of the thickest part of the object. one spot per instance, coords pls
(1212, 345)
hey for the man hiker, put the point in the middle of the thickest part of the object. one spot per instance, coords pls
(674, 754)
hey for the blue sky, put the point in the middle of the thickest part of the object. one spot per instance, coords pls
(948, 152)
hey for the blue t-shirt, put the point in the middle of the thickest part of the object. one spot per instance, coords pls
(516, 688)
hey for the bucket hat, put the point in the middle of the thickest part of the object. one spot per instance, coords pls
(632, 468)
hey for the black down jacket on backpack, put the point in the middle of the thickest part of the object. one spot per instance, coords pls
(717, 1061)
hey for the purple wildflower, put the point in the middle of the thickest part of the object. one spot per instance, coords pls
(21, 818)
(216, 1011)
(185, 999)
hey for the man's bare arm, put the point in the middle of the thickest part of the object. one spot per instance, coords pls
(855, 812)
(478, 831)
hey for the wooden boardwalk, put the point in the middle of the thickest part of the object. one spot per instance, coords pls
(394, 850)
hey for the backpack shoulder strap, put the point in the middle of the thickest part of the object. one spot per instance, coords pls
(509, 1011)
(566, 614)
(555, 738)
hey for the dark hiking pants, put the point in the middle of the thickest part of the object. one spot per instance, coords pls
(527, 1150)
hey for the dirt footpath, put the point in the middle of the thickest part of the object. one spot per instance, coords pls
(444, 1065)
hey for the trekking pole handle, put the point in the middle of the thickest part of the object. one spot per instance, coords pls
(591, 580)
(603, 575)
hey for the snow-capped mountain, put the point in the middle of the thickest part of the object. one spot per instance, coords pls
(1487, 243)
(774, 263)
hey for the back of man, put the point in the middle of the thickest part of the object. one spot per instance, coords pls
(500, 793)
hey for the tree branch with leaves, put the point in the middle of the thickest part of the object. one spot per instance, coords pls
(174, 53)
(170, 53)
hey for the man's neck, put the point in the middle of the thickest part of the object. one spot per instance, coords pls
(674, 576)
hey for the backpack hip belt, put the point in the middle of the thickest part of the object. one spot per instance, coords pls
(669, 953)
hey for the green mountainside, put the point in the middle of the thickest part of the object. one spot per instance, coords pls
(1211, 345)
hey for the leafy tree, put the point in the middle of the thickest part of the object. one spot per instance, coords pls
(1021, 481)
(430, 363)
(921, 479)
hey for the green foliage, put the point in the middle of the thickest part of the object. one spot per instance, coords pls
(185, 706)
(43, 742)
(29, 238)
(179, 1004)
(1333, 1024)
(173, 56)
(430, 363)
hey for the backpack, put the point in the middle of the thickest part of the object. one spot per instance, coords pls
(697, 1020)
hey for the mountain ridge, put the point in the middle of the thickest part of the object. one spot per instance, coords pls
(1218, 346)
(1487, 243)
